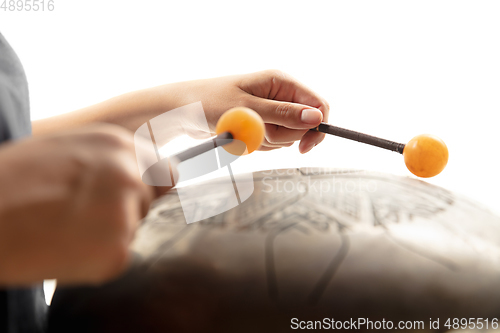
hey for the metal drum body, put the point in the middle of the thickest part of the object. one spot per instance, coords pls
(308, 244)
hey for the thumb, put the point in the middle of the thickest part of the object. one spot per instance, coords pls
(287, 114)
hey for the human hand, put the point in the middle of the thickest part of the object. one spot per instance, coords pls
(69, 206)
(288, 108)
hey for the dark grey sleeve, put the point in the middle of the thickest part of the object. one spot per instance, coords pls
(14, 98)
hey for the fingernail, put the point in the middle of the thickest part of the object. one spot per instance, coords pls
(311, 116)
(308, 148)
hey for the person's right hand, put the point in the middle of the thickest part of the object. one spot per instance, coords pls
(69, 206)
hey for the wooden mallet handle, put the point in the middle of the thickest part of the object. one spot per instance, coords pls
(219, 140)
(360, 137)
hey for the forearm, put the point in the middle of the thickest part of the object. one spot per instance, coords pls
(279, 99)
(129, 110)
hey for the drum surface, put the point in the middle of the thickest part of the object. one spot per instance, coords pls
(308, 244)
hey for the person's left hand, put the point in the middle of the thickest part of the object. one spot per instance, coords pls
(288, 108)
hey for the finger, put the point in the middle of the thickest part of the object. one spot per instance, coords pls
(126, 163)
(276, 134)
(310, 140)
(136, 208)
(300, 93)
(276, 85)
(173, 162)
(267, 148)
(287, 114)
(277, 145)
(147, 198)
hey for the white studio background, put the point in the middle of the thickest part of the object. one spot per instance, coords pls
(393, 69)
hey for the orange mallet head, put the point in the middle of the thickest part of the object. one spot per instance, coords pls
(247, 128)
(239, 130)
(425, 155)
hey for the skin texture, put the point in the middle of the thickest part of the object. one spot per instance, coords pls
(276, 96)
(71, 196)
(69, 206)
